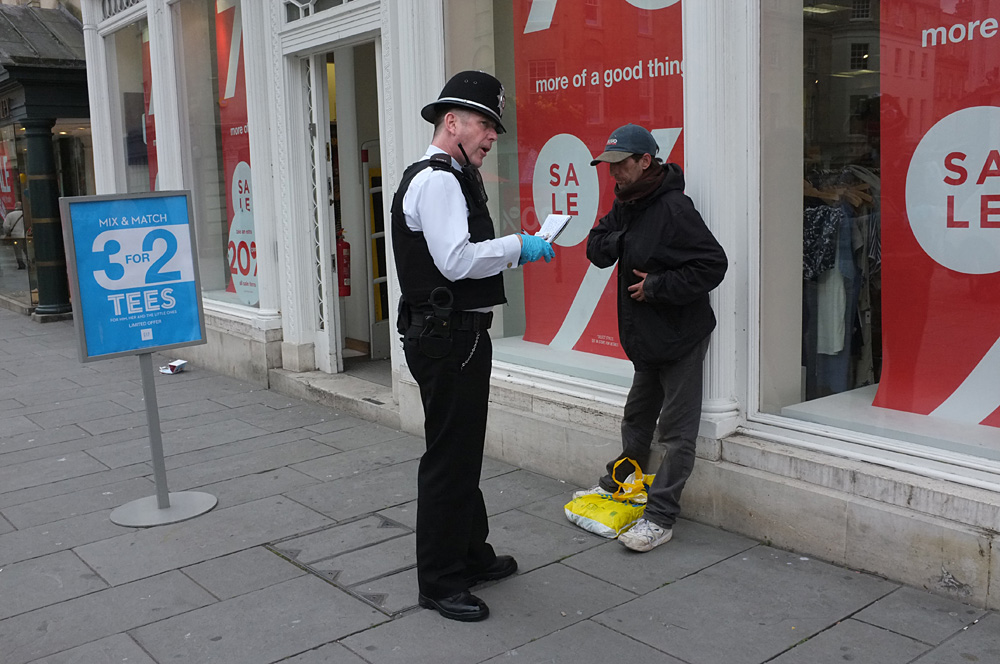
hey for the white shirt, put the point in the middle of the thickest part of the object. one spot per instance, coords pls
(434, 205)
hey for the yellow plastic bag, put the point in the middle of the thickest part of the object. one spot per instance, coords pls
(611, 515)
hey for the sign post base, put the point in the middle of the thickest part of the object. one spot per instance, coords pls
(145, 512)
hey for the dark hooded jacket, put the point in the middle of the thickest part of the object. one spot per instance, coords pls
(663, 234)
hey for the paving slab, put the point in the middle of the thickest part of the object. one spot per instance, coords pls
(745, 609)
(523, 608)
(175, 442)
(370, 490)
(5, 525)
(67, 505)
(260, 627)
(392, 594)
(236, 447)
(694, 547)
(32, 584)
(920, 615)
(585, 642)
(280, 419)
(404, 514)
(388, 557)
(79, 412)
(515, 489)
(853, 641)
(333, 653)
(978, 643)
(38, 440)
(73, 623)
(45, 471)
(23, 390)
(361, 435)
(364, 459)
(254, 487)
(57, 536)
(339, 539)
(247, 463)
(257, 397)
(242, 572)
(117, 649)
(168, 414)
(334, 424)
(103, 478)
(220, 532)
(13, 425)
(536, 542)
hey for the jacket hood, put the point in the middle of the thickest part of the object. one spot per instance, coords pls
(674, 179)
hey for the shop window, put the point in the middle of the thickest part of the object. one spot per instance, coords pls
(297, 9)
(217, 144)
(880, 279)
(861, 10)
(578, 73)
(112, 7)
(135, 122)
(859, 56)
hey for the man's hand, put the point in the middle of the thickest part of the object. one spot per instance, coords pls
(636, 289)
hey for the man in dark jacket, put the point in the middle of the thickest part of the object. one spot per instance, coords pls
(668, 261)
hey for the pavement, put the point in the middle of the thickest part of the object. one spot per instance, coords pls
(309, 555)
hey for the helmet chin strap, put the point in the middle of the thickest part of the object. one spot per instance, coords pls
(479, 190)
(467, 162)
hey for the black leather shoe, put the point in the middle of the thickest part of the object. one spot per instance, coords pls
(464, 606)
(501, 568)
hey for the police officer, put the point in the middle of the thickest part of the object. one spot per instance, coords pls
(449, 262)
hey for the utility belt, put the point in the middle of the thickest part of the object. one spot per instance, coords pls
(457, 320)
(432, 325)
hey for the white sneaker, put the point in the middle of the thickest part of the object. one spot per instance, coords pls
(645, 535)
(598, 490)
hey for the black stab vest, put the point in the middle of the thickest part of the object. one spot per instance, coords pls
(418, 275)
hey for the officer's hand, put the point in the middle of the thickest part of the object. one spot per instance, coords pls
(534, 248)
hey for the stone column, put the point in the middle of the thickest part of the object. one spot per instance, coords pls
(46, 226)
(720, 100)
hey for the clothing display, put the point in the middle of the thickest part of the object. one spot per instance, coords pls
(841, 265)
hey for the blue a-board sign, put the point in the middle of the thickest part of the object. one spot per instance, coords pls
(133, 272)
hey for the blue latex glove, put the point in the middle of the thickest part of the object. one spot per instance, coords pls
(534, 248)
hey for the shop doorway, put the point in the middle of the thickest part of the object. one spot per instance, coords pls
(345, 116)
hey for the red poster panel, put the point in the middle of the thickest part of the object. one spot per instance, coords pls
(235, 139)
(582, 70)
(940, 128)
(148, 121)
(8, 180)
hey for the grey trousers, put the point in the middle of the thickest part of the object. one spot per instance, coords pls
(665, 401)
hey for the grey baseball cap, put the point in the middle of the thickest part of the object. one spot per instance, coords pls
(626, 141)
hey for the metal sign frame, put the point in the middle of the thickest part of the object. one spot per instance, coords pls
(140, 272)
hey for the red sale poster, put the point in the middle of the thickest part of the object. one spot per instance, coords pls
(940, 138)
(582, 70)
(235, 139)
(8, 180)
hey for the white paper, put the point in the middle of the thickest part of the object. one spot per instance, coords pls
(554, 225)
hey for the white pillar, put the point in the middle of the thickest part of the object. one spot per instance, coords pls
(257, 36)
(100, 101)
(413, 73)
(720, 115)
(166, 108)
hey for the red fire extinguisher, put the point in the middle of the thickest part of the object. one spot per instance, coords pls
(343, 264)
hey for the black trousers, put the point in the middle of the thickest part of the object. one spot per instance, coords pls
(451, 513)
(665, 401)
